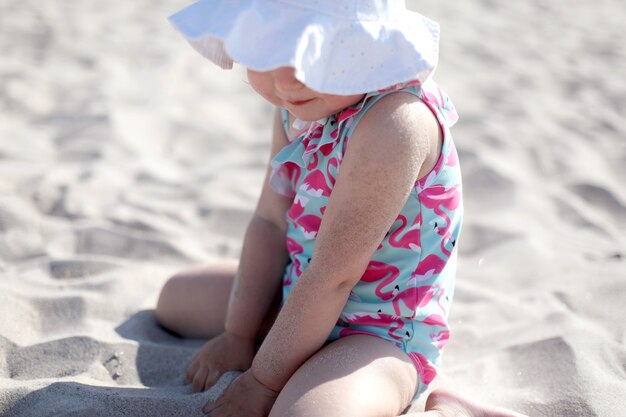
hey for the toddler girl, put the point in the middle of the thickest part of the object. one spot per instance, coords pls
(347, 269)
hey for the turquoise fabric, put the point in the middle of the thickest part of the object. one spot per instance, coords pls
(404, 295)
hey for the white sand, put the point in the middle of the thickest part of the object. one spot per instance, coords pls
(124, 157)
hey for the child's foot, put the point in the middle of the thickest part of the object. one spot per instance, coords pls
(445, 403)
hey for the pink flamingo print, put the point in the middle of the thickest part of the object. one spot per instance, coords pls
(332, 163)
(429, 266)
(315, 184)
(312, 139)
(297, 208)
(409, 298)
(425, 370)
(393, 323)
(453, 157)
(441, 338)
(377, 271)
(418, 297)
(411, 237)
(439, 102)
(346, 114)
(313, 162)
(327, 148)
(310, 225)
(293, 171)
(437, 197)
(435, 320)
(286, 175)
(294, 249)
(312, 134)
(317, 132)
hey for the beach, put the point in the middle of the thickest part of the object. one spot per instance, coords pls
(126, 157)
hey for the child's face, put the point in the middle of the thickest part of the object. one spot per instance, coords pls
(281, 88)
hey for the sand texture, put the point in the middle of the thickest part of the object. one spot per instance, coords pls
(124, 156)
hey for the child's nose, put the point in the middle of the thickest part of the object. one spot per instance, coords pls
(285, 79)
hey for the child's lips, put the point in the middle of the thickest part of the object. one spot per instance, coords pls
(299, 102)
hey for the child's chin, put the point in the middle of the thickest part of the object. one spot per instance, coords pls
(304, 116)
(307, 115)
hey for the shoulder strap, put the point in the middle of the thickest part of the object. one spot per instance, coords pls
(284, 115)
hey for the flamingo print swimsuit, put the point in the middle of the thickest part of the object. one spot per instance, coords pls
(405, 293)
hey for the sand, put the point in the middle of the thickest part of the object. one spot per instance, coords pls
(124, 156)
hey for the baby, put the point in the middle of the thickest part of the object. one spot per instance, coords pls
(338, 305)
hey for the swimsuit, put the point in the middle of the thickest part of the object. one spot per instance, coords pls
(405, 293)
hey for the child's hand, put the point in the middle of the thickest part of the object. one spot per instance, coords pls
(246, 396)
(226, 352)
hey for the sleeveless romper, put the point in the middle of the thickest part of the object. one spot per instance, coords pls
(405, 293)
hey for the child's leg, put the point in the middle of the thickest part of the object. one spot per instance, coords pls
(193, 303)
(357, 375)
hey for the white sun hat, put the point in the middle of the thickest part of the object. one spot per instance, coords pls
(336, 46)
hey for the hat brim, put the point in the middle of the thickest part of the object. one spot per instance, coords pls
(329, 55)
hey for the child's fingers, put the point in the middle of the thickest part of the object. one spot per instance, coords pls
(191, 372)
(212, 378)
(199, 379)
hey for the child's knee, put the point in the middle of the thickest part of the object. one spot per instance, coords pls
(165, 307)
(329, 401)
(333, 398)
(356, 376)
(312, 404)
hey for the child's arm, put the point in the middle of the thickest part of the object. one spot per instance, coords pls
(264, 255)
(262, 263)
(396, 142)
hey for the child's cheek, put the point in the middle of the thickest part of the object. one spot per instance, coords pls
(266, 93)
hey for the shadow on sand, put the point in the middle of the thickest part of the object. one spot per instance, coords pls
(126, 379)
